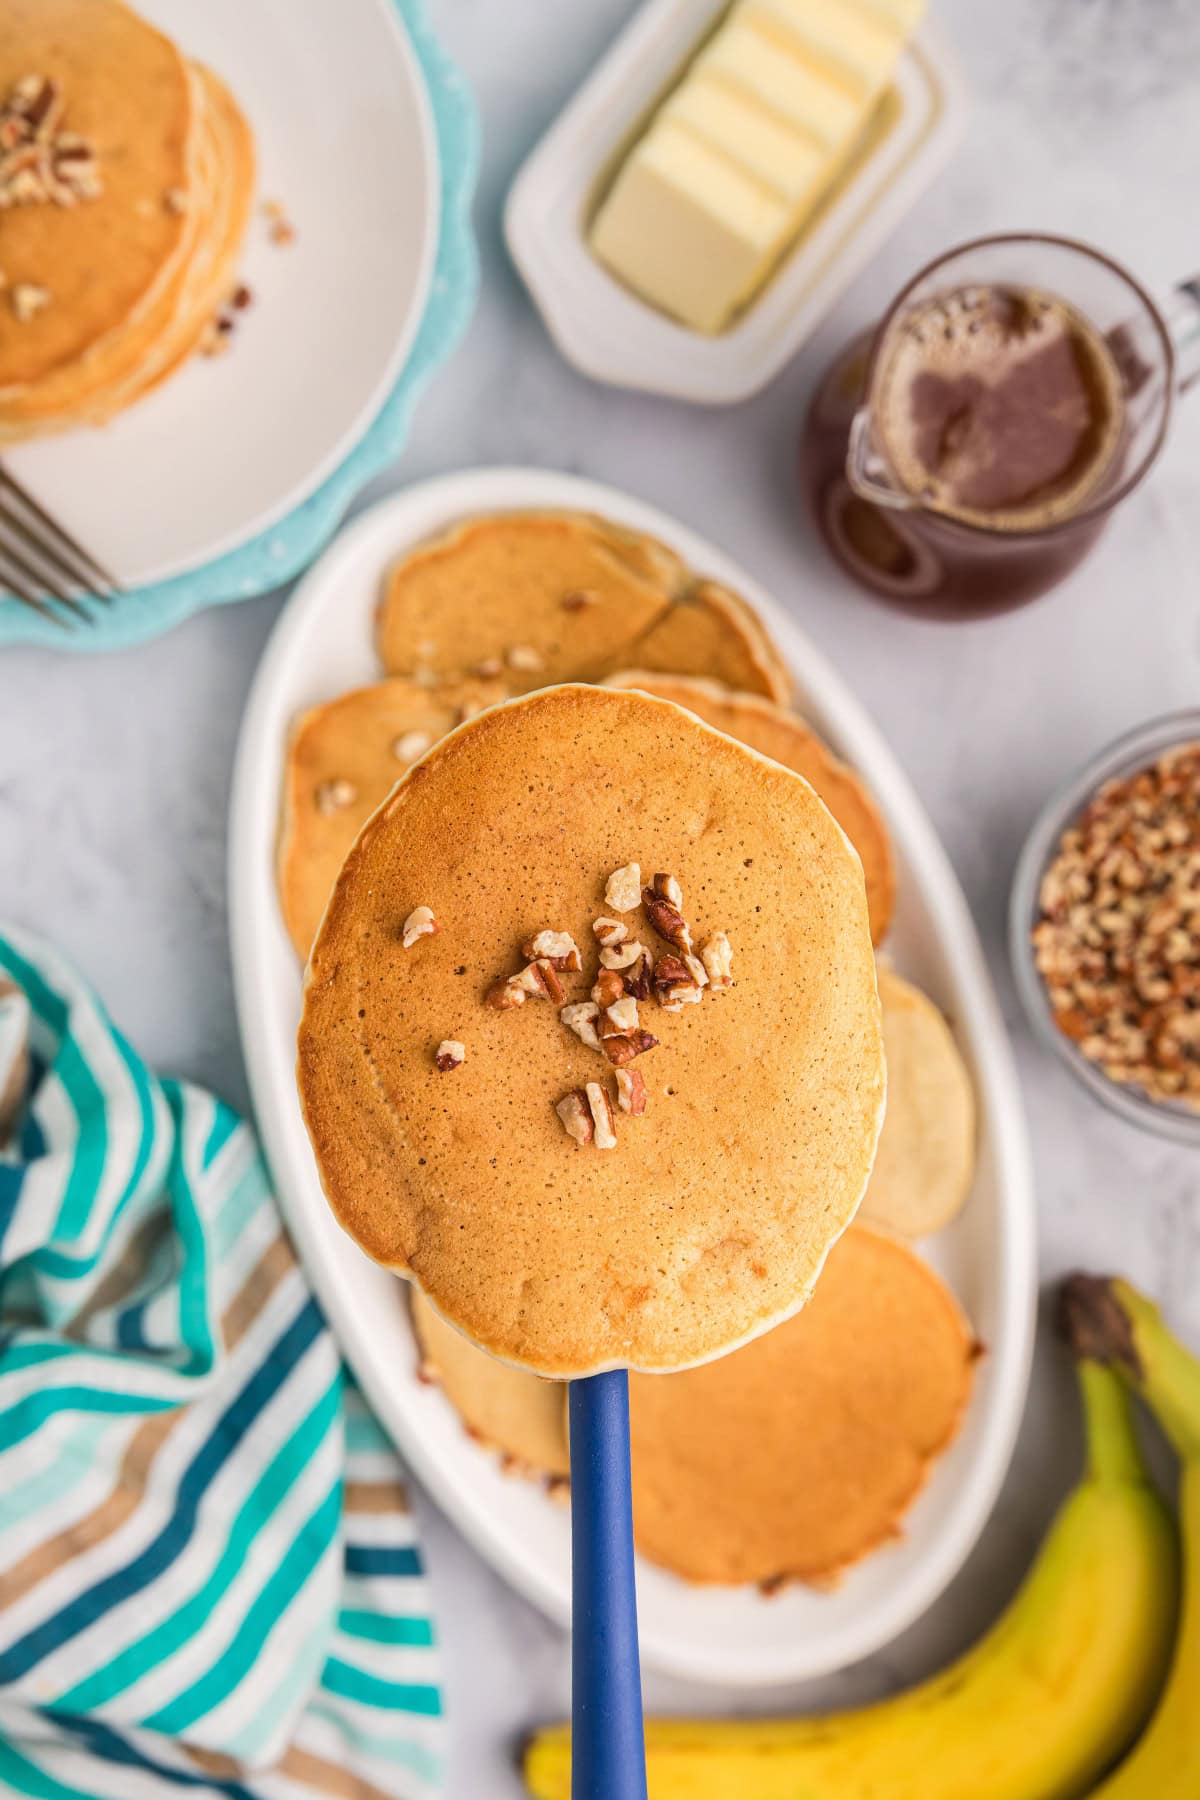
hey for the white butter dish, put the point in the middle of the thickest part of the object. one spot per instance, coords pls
(612, 335)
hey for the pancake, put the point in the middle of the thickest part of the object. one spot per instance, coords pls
(799, 1454)
(126, 91)
(537, 597)
(926, 1159)
(789, 740)
(509, 1410)
(344, 757)
(549, 597)
(709, 1220)
(132, 275)
(713, 632)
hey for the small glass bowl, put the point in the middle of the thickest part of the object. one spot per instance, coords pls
(1136, 750)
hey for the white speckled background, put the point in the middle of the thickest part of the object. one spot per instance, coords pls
(114, 772)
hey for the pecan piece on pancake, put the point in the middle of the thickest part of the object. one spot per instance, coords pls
(663, 901)
(581, 1019)
(622, 1049)
(675, 986)
(558, 948)
(576, 1116)
(419, 923)
(716, 954)
(623, 889)
(450, 1055)
(631, 1091)
(537, 980)
(600, 1107)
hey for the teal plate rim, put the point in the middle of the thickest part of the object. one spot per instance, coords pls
(274, 556)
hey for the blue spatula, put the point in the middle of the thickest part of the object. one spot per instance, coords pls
(608, 1754)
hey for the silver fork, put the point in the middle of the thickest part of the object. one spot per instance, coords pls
(42, 565)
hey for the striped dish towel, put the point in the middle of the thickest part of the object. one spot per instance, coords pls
(209, 1579)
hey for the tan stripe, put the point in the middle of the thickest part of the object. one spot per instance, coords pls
(213, 1762)
(256, 1290)
(327, 1777)
(125, 1496)
(122, 1277)
(376, 1497)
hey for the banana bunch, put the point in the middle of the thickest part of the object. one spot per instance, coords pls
(1111, 1320)
(1045, 1703)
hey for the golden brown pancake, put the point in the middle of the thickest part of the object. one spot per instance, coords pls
(535, 597)
(549, 597)
(800, 1453)
(713, 632)
(343, 758)
(510, 1410)
(926, 1159)
(131, 274)
(709, 1220)
(786, 738)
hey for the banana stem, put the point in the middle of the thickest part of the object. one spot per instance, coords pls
(1108, 1320)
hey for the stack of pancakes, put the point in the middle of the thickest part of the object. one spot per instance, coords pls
(799, 1453)
(126, 180)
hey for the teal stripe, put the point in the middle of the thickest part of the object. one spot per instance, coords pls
(68, 1469)
(398, 1696)
(225, 1123)
(188, 1616)
(195, 1326)
(31, 1412)
(82, 1090)
(238, 1208)
(364, 1435)
(270, 1606)
(385, 1628)
(402, 1751)
(27, 1356)
(20, 1776)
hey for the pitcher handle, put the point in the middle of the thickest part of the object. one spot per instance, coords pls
(866, 470)
(1181, 312)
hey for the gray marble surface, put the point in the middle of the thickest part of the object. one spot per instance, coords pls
(114, 772)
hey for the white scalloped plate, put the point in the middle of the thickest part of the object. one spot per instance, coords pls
(322, 645)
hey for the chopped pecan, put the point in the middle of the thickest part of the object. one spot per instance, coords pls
(581, 1019)
(537, 980)
(577, 601)
(525, 657)
(576, 1116)
(623, 956)
(335, 796)
(623, 888)
(27, 299)
(609, 932)
(411, 744)
(631, 1091)
(600, 1107)
(665, 915)
(623, 1048)
(637, 978)
(609, 987)
(558, 948)
(716, 953)
(674, 984)
(623, 1014)
(450, 1055)
(419, 923)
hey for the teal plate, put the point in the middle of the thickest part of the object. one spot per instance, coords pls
(273, 557)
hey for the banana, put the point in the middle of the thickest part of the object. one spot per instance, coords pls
(1039, 1708)
(1112, 1319)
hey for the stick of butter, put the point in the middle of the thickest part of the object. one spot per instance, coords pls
(742, 151)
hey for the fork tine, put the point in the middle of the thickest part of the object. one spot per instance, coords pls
(28, 597)
(55, 568)
(45, 577)
(96, 573)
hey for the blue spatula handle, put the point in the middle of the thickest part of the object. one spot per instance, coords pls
(608, 1751)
